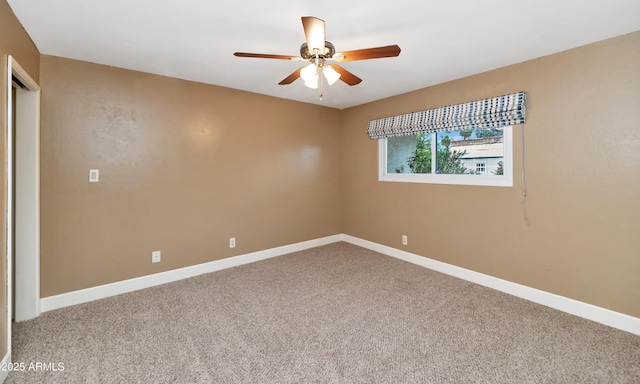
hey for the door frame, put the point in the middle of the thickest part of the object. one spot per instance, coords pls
(27, 197)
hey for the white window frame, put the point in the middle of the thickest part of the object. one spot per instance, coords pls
(504, 180)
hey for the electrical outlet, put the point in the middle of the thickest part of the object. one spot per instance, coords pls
(155, 256)
(404, 239)
(232, 242)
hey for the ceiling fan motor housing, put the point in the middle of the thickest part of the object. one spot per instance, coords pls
(328, 53)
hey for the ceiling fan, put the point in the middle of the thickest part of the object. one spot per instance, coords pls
(319, 53)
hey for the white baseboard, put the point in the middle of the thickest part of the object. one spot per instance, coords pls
(601, 315)
(588, 311)
(102, 291)
(4, 373)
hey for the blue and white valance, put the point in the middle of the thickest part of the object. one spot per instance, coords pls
(496, 112)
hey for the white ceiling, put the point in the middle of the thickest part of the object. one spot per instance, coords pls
(440, 40)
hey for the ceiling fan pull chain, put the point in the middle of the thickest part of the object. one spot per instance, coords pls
(320, 74)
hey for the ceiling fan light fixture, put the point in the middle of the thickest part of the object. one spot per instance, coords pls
(330, 74)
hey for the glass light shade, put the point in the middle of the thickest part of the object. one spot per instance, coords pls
(312, 84)
(330, 74)
(310, 76)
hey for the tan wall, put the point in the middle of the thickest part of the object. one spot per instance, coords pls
(14, 41)
(582, 162)
(183, 167)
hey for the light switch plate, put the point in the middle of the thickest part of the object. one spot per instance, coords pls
(94, 175)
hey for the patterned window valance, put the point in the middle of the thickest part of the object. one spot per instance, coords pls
(496, 112)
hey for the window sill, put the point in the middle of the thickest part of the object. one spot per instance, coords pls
(481, 180)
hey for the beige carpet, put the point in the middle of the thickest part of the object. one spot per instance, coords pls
(333, 314)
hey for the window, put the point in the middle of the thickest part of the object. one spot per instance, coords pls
(480, 156)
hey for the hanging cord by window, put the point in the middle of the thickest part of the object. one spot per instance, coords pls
(523, 184)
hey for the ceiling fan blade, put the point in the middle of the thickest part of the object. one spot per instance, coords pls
(267, 56)
(292, 77)
(346, 76)
(314, 32)
(368, 53)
